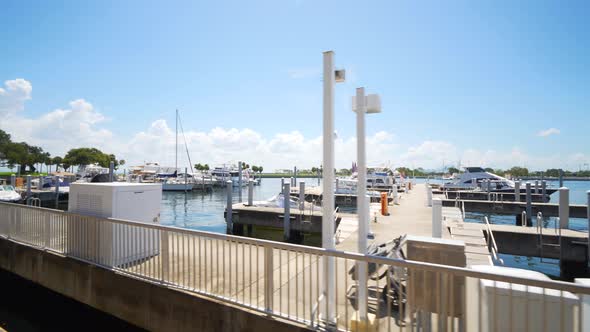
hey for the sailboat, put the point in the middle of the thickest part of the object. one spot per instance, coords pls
(181, 182)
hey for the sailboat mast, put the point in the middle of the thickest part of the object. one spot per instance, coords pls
(176, 144)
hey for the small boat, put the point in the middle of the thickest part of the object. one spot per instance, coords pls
(474, 177)
(9, 194)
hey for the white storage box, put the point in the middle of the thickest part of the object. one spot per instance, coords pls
(108, 243)
(514, 307)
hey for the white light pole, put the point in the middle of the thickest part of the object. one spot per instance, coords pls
(362, 104)
(329, 281)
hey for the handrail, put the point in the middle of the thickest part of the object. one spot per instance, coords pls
(459, 271)
(492, 241)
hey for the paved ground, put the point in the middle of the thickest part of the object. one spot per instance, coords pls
(237, 270)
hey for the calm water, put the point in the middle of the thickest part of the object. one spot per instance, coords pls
(204, 211)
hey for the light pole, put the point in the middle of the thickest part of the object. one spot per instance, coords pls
(331, 77)
(362, 104)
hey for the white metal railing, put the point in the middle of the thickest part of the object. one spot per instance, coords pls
(492, 242)
(286, 280)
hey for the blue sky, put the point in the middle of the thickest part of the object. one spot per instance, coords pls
(477, 76)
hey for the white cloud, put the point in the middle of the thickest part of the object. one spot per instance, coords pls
(56, 131)
(548, 132)
(14, 95)
(81, 125)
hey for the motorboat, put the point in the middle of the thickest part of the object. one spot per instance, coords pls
(477, 178)
(224, 173)
(380, 179)
(85, 173)
(348, 186)
(9, 194)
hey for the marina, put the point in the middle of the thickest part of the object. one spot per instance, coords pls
(211, 167)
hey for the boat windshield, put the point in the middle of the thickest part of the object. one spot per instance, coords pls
(7, 188)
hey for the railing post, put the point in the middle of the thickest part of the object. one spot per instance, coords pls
(529, 209)
(517, 191)
(287, 212)
(268, 280)
(564, 207)
(165, 253)
(228, 209)
(437, 218)
(47, 231)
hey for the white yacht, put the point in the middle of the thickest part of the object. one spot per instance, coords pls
(224, 173)
(348, 186)
(85, 173)
(379, 179)
(9, 194)
(473, 177)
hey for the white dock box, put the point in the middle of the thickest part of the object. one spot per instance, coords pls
(513, 307)
(108, 243)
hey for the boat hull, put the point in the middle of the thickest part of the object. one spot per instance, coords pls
(177, 186)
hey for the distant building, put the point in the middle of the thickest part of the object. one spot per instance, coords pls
(283, 171)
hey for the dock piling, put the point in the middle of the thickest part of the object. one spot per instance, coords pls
(301, 195)
(544, 188)
(240, 181)
(250, 192)
(13, 180)
(588, 212)
(40, 184)
(537, 189)
(337, 185)
(395, 195)
(437, 218)
(228, 209)
(282, 184)
(56, 192)
(517, 191)
(28, 187)
(111, 171)
(287, 212)
(564, 207)
(529, 207)
(294, 176)
(428, 195)
(560, 178)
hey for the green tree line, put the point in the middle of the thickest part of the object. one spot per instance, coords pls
(27, 157)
